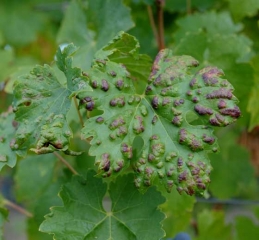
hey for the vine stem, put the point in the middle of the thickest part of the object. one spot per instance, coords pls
(78, 112)
(160, 15)
(152, 23)
(66, 163)
(17, 208)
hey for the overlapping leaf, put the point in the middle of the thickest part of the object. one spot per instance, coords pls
(41, 104)
(7, 131)
(241, 9)
(93, 26)
(132, 215)
(174, 151)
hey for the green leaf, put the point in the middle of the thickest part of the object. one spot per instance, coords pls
(210, 23)
(124, 49)
(132, 215)
(174, 151)
(211, 225)
(178, 210)
(39, 192)
(73, 27)
(253, 107)
(3, 218)
(7, 129)
(34, 233)
(246, 228)
(41, 104)
(107, 18)
(181, 6)
(241, 9)
(229, 52)
(19, 24)
(93, 26)
(232, 175)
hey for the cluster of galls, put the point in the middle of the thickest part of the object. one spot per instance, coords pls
(108, 165)
(194, 142)
(54, 135)
(171, 169)
(208, 91)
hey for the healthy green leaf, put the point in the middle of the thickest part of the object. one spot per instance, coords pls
(3, 216)
(181, 6)
(132, 215)
(241, 9)
(40, 192)
(82, 26)
(178, 210)
(232, 169)
(7, 130)
(210, 22)
(211, 225)
(246, 228)
(41, 104)
(174, 151)
(253, 107)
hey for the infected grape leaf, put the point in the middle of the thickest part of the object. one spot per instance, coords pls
(174, 152)
(41, 104)
(7, 131)
(132, 215)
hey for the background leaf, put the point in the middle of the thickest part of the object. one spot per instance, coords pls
(132, 215)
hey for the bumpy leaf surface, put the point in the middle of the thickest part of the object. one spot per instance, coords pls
(174, 151)
(41, 104)
(7, 131)
(132, 215)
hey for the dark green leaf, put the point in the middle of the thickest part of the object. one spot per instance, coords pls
(132, 215)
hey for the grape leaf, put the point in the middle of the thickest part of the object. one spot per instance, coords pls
(246, 228)
(233, 60)
(3, 216)
(132, 215)
(252, 106)
(40, 192)
(41, 104)
(178, 210)
(233, 175)
(18, 23)
(241, 9)
(211, 225)
(82, 26)
(181, 6)
(210, 22)
(174, 151)
(7, 129)
(124, 49)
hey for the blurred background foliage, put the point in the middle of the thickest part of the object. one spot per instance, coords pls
(223, 33)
